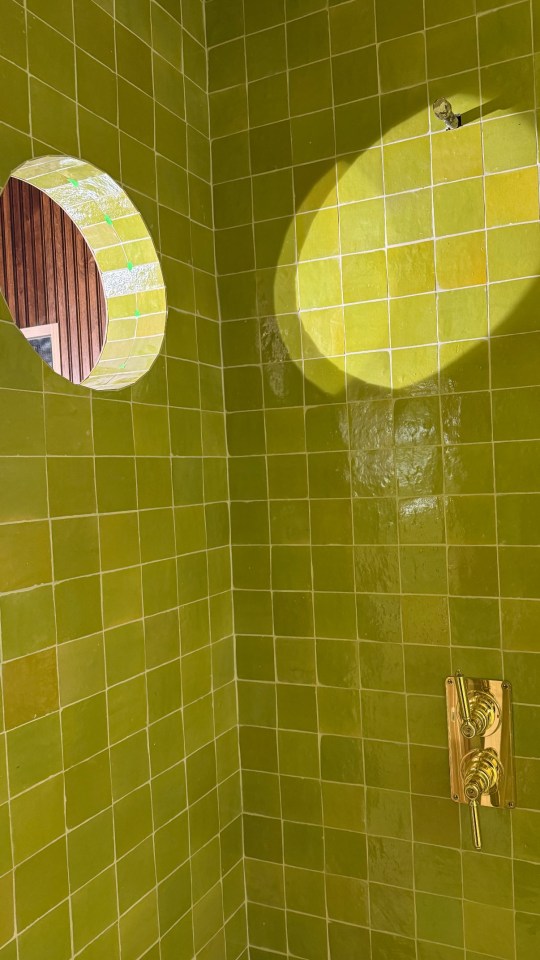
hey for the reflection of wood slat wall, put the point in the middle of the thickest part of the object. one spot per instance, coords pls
(48, 275)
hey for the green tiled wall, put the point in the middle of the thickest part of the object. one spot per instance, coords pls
(378, 283)
(377, 286)
(120, 828)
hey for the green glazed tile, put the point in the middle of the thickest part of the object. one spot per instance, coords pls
(392, 909)
(350, 69)
(392, 23)
(27, 621)
(136, 874)
(437, 11)
(491, 878)
(434, 819)
(387, 765)
(305, 888)
(402, 62)
(37, 817)
(526, 934)
(88, 789)
(439, 919)
(12, 45)
(387, 944)
(51, 932)
(303, 845)
(302, 930)
(351, 26)
(437, 870)
(459, 36)
(51, 56)
(307, 39)
(41, 883)
(504, 34)
(94, 907)
(489, 928)
(390, 861)
(139, 926)
(15, 107)
(53, 117)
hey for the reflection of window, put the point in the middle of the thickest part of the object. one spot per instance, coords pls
(46, 342)
(49, 275)
(75, 251)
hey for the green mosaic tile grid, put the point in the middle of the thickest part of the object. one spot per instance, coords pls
(120, 827)
(378, 280)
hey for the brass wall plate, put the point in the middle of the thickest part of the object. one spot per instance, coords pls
(497, 738)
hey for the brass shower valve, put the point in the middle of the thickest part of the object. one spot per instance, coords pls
(480, 741)
(479, 712)
(481, 771)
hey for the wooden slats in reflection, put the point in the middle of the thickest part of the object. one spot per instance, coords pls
(48, 275)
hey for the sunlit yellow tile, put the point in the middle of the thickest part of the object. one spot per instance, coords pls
(360, 176)
(366, 326)
(130, 228)
(457, 155)
(413, 320)
(415, 370)
(317, 234)
(509, 142)
(407, 165)
(514, 252)
(463, 314)
(364, 277)
(111, 258)
(327, 375)
(461, 261)
(459, 207)
(281, 282)
(320, 284)
(370, 368)
(411, 269)
(409, 216)
(512, 197)
(362, 226)
(323, 332)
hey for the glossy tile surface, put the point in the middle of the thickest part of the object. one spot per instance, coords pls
(377, 290)
(120, 828)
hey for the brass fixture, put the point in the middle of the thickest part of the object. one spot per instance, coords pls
(442, 109)
(481, 770)
(478, 713)
(480, 740)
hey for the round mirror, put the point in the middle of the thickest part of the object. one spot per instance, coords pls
(80, 273)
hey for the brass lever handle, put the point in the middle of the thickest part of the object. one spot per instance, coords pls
(464, 705)
(478, 713)
(475, 824)
(481, 770)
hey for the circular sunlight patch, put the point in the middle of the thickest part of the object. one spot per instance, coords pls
(393, 259)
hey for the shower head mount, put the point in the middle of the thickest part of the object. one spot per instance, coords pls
(442, 109)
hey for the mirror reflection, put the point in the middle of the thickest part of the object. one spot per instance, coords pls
(80, 272)
(51, 281)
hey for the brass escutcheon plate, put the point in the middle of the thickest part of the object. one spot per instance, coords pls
(497, 738)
